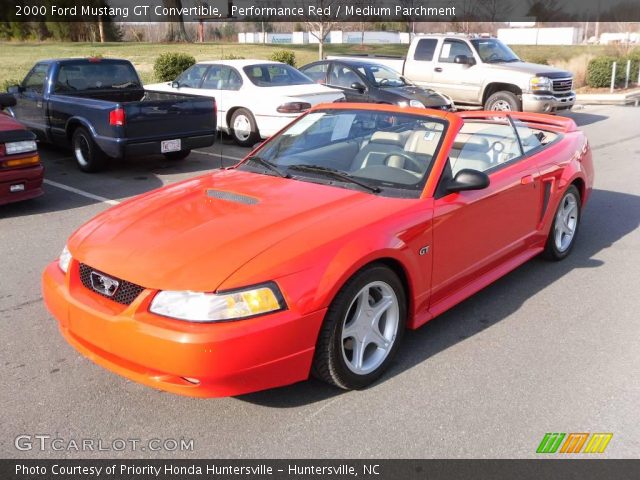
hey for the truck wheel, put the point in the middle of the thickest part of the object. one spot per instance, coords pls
(177, 156)
(503, 101)
(88, 155)
(244, 129)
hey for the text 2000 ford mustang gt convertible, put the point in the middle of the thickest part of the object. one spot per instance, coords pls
(316, 252)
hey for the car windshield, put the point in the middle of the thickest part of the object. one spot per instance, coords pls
(382, 76)
(492, 50)
(275, 75)
(387, 153)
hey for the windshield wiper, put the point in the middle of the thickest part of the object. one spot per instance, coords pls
(335, 173)
(269, 165)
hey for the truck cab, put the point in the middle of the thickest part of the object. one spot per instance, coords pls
(482, 71)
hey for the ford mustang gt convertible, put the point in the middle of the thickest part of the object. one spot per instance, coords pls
(316, 252)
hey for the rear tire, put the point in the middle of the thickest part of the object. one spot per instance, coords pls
(243, 128)
(177, 156)
(503, 101)
(362, 329)
(87, 153)
(564, 229)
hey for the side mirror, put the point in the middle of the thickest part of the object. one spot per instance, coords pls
(7, 100)
(358, 86)
(461, 60)
(175, 84)
(14, 89)
(467, 179)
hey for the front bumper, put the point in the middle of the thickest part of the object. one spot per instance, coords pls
(199, 360)
(547, 103)
(29, 177)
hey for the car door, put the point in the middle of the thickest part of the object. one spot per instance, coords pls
(31, 109)
(224, 83)
(460, 81)
(478, 231)
(342, 77)
(419, 68)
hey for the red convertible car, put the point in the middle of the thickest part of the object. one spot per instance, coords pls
(313, 254)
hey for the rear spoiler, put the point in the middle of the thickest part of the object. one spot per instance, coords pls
(563, 124)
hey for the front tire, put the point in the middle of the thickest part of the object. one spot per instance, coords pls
(244, 129)
(503, 101)
(564, 230)
(87, 153)
(362, 329)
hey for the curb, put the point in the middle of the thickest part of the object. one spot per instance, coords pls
(632, 97)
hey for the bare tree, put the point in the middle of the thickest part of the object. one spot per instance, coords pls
(320, 26)
(492, 10)
(176, 31)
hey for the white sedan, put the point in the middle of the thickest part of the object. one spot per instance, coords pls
(255, 98)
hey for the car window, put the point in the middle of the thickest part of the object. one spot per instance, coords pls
(192, 77)
(34, 82)
(529, 139)
(343, 76)
(222, 77)
(317, 72)
(425, 49)
(382, 76)
(484, 144)
(275, 75)
(452, 48)
(492, 50)
(389, 150)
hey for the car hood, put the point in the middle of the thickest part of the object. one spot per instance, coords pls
(195, 234)
(533, 69)
(429, 98)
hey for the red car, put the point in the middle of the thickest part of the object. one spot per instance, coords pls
(20, 169)
(314, 254)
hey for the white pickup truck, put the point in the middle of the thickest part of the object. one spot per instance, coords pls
(482, 72)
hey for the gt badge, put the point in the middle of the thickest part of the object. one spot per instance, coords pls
(424, 250)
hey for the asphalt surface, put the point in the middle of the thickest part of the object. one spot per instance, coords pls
(552, 347)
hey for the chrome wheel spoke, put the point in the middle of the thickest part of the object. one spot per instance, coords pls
(357, 358)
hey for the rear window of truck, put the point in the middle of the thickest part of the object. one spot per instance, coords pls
(425, 49)
(96, 76)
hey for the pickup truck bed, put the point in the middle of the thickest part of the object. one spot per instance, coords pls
(109, 114)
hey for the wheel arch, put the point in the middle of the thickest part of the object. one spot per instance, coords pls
(495, 87)
(75, 122)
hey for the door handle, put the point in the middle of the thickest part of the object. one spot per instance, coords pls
(438, 69)
(527, 179)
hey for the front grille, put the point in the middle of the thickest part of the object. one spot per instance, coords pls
(562, 85)
(126, 293)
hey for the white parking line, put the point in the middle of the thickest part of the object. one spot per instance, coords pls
(218, 155)
(81, 192)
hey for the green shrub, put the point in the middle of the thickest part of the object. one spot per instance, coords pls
(8, 83)
(169, 65)
(599, 71)
(284, 56)
(534, 58)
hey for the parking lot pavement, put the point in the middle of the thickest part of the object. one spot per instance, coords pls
(552, 347)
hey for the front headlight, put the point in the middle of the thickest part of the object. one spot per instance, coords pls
(11, 148)
(215, 307)
(540, 84)
(416, 104)
(64, 260)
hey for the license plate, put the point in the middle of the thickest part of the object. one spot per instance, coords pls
(171, 145)
(18, 187)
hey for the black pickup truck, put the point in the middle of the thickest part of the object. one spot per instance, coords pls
(99, 108)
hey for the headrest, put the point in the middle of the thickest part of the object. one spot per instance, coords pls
(389, 138)
(476, 144)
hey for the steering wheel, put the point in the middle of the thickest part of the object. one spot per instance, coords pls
(419, 166)
(493, 56)
(383, 81)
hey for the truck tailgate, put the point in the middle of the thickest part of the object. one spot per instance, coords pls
(161, 115)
